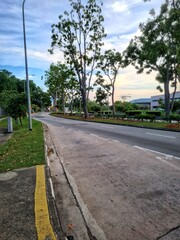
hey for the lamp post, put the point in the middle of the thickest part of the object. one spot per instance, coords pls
(26, 66)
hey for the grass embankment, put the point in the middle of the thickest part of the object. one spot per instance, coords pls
(145, 124)
(24, 149)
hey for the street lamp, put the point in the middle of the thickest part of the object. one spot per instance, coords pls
(26, 66)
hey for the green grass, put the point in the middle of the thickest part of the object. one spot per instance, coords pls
(24, 149)
(155, 125)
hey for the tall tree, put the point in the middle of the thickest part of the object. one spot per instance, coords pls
(56, 80)
(79, 35)
(110, 63)
(158, 48)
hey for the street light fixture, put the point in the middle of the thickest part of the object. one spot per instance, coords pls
(26, 66)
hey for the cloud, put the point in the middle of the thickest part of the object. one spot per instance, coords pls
(121, 24)
(119, 7)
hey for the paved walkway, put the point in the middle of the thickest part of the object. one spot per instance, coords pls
(24, 212)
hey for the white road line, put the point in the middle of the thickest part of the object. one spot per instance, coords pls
(166, 155)
(80, 131)
(115, 141)
(168, 163)
(105, 126)
(94, 135)
(159, 135)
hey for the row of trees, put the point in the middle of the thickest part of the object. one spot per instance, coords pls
(79, 35)
(13, 95)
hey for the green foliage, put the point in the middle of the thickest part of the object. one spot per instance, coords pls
(157, 48)
(79, 35)
(133, 112)
(7, 81)
(124, 106)
(155, 113)
(93, 106)
(11, 86)
(61, 83)
(176, 106)
(109, 64)
(101, 96)
(175, 117)
(17, 106)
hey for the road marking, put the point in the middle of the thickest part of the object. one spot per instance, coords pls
(159, 158)
(159, 135)
(164, 161)
(80, 131)
(115, 141)
(94, 135)
(43, 225)
(105, 126)
(164, 154)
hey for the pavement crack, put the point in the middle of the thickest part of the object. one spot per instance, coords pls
(171, 230)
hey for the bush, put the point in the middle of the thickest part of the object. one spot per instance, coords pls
(150, 117)
(133, 113)
(156, 113)
(175, 117)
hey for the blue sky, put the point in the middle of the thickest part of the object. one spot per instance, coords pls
(121, 24)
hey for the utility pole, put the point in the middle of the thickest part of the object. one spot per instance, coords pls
(26, 66)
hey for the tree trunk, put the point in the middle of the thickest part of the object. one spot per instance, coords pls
(113, 105)
(173, 96)
(167, 97)
(84, 102)
(63, 103)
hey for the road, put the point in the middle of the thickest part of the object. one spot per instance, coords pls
(157, 140)
(124, 189)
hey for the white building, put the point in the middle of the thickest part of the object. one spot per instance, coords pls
(155, 99)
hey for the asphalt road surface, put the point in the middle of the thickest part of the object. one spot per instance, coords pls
(157, 140)
(128, 178)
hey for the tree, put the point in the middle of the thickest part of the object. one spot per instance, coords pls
(79, 35)
(158, 48)
(72, 91)
(56, 80)
(7, 81)
(14, 104)
(125, 106)
(110, 63)
(93, 106)
(101, 96)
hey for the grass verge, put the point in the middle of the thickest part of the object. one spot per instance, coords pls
(154, 125)
(24, 149)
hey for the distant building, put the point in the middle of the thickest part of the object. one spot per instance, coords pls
(152, 102)
(155, 99)
(144, 102)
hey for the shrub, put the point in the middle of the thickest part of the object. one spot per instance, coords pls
(133, 113)
(156, 113)
(175, 117)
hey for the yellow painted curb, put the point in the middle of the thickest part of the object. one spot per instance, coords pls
(43, 225)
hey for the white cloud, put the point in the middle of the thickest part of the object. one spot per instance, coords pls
(121, 24)
(119, 7)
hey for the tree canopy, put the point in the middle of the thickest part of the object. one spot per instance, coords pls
(158, 48)
(79, 34)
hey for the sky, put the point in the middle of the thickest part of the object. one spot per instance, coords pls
(121, 23)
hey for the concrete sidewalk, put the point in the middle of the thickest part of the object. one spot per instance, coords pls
(27, 209)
